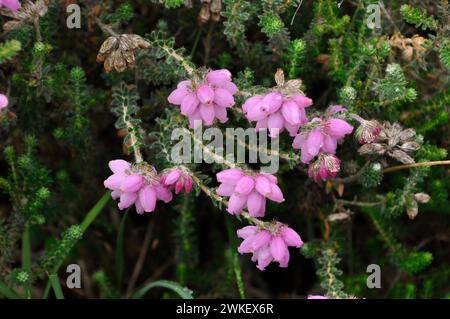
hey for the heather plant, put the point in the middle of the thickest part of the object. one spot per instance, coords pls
(136, 148)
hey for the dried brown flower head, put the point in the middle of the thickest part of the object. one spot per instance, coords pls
(287, 87)
(395, 142)
(210, 10)
(28, 12)
(408, 46)
(413, 208)
(117, 52)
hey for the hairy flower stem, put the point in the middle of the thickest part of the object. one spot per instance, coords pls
(133, 139)
(421, 164)
(210, 193)
(105, 28)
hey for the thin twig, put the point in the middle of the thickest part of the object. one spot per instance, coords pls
(421, 164)
(105, 28)
(141, 259)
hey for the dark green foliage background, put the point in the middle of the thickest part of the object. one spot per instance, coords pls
(59, 135)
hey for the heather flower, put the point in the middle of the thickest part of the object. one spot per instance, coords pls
(12, 5)
(136, 184)
(205, 99)
(275, 111)
(269, 244)
(326, 132)
(367, 131)
(3, 101)
(248, 191)
(282, 108)
(176, 178)
(327, 165)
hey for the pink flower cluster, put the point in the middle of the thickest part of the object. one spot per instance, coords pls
(321, 140)
(323, 137)
(248, 191)
(3, 101)
(136, 184)
(276, 112)
(206, 99)
(317, 297)
(176, 178)
(268, 245)
(12, 5)
(327, 165)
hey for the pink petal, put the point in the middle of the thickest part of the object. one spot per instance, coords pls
(260, 240)
(186, 84)
(284, 262)
(263, 185)
(114, 181)
(251, 103)
(221, 113)
(256, 113)
(223, 98)
(139, 208)
(127, 199)
(264, 258)
(230, 87)
(3, 101)
(338, 128)
(301, 100)
(316, 297)
(246, 231)
(244, 185)
(276, 194)
(272, 102)
(291, 112)
(236, 203)
(229, 176)
(179, 186)
(207, 113)
(147, 197)
(163, 193)
(172, 177)
(12, 5)
(314, 142)
(205, 94)
(218, 77)
(119, 166)
(189, 104)
(177, 96)
(299, 140)
(329, 144)
(275, 123)
(188, 184)
(132, 183)
(115, 194)
(335, 109)
(195, 119)
(225, 189)
(292, 129)
(291, 238)
(278, 248)
(261, 125)
(254, 204)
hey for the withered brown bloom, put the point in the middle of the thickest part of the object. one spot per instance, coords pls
(210, 10)
(28, 12)
(395, 142)
(409, 47)
(117, 52)
(413, 208)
